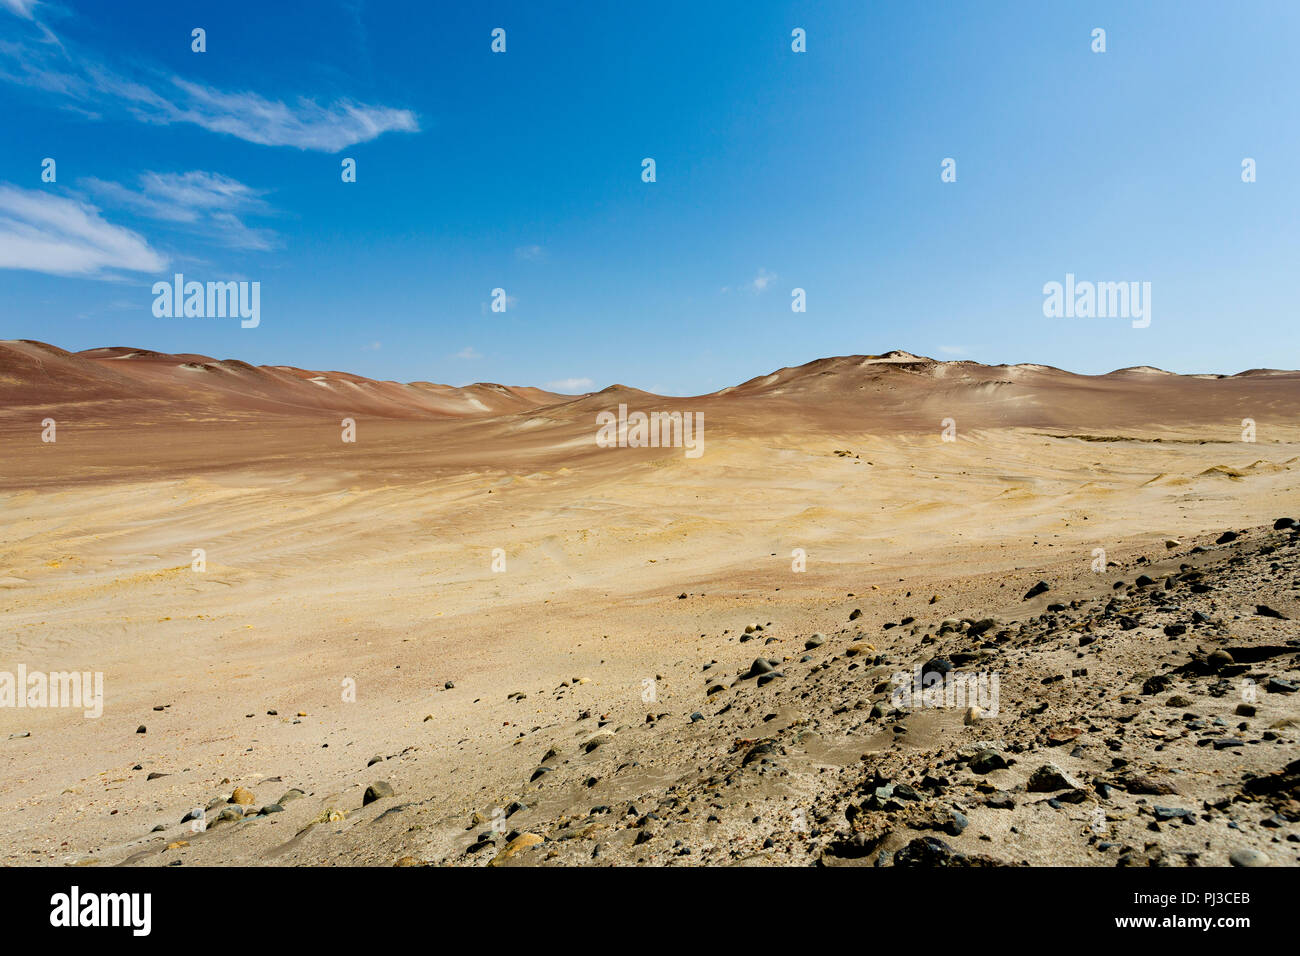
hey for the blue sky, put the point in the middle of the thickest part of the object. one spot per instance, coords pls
(775, 170)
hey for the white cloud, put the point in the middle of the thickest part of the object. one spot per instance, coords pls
(761, 280)
(43, 232)
(22, 8)
(209, 202)
(468, 353)
(570, 385)
(90, 86)
(305, 125)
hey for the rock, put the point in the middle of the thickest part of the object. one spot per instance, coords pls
(291, 794)
(857, 650)
(1062, 735)
(760, 666)
(935, 665)
(1001, 800)
(1219, 659)
(1247, 857)
(1172, 543)
(1245, 710)
(817, 640)
(228, 815)
(924, 851)
(1050, 778)
(987, 761)
(1138, 783)
(242, 797)
(447, 686)
(270, 808)
(1282, 524)
(1042, 587)
(377, 791)
(855, 847)
(1156, 684)
(1263, 610)
(140, 729)
(973, 715)
(155, 776)
(521, 842)
(1226, 538)
(539, 772)
(374, 760)
(1277, 685)
(855, 614)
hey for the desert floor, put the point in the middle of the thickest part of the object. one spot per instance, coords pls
(345, 584)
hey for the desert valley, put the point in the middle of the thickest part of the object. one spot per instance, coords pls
(474, 635)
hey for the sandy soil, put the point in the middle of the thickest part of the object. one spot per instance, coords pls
(332, 565)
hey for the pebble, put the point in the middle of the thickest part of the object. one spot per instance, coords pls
(1248, 857)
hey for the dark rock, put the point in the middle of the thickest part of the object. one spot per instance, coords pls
(1050, 778)
(987, 761)
(377, 791)
(925, 851)
(1042, 587)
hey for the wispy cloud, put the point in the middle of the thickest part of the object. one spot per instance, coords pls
(209, 203)
(90, 86)
(755, 285)
(570, 385)
(23, 8)
(468, 353)
(43, 232)
(760, 281)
